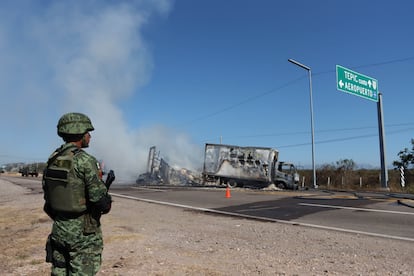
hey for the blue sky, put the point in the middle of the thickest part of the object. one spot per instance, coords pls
(179, 74)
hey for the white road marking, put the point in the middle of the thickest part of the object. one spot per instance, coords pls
(265, 219)
(356, 209)
(254, 209)
(148, 189)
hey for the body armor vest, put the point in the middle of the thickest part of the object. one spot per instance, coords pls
(64, 191)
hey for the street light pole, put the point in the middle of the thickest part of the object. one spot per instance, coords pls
(311, 111)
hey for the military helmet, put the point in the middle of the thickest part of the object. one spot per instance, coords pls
(74, 123)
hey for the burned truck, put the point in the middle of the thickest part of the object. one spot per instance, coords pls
(247, 166)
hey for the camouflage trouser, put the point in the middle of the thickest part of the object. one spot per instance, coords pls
(80, 257)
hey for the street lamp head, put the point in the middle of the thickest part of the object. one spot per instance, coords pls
(299, 64)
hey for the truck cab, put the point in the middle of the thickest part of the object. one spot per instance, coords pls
(286, 176)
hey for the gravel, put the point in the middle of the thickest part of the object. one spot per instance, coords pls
(149, 239)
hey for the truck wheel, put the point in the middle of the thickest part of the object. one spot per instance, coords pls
(232, 183)
(281, 185)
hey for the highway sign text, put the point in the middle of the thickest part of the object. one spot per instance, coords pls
(357, 84)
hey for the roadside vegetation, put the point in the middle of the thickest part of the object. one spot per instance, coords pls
(343, 174)
(335, 177)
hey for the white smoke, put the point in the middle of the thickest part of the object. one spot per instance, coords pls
(94, 56)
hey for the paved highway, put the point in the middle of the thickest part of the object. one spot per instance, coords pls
(375, 214)
(363, 213)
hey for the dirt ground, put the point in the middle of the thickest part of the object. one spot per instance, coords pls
(148, 239)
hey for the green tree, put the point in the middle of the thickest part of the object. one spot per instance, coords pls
(406, 157)
(345, 165)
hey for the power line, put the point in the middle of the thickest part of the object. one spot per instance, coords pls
(278, 89)
(345, 138)
(385, 62)
(318, 131)
(369, 65)
(249, 99)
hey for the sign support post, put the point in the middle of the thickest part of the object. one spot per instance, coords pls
(357, 84)
(384, 171)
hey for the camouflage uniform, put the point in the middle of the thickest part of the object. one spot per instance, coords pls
(75, 244)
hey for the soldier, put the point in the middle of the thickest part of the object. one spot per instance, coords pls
(75, 198)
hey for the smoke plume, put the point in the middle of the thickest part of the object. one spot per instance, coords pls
(92, 55)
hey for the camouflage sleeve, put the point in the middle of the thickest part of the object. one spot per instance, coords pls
(95, 187)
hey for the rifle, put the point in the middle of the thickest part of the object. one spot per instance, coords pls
(109, 179)
(103, 206)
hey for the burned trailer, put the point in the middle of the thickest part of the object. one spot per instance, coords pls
(159, 172)
(246, 166)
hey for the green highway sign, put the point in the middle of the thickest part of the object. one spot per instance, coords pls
(357, 84)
